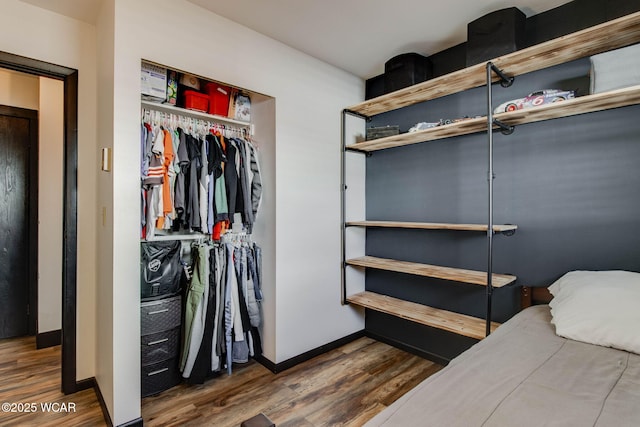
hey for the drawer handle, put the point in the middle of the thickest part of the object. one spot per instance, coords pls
(158, 342)
(159, 371)
(158, 311)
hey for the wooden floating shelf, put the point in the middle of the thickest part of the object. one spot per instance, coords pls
(435, 271)
(572, 107)
(442, 319)
(464, 127)
(607, 36)
(433, 226)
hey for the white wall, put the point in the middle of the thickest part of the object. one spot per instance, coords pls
(64, 41)
(309, 97)
(19, 89)
(50, 198)
(263, 117)
(105, 368)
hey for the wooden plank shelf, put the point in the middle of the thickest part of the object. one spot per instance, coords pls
(610, 35)
(572, 107)
(442, 319)
(435, 271)
(433, 226)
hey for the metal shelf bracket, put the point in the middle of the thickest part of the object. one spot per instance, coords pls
(505, 129)
(505, 81)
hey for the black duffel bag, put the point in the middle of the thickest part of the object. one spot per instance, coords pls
(160, 269)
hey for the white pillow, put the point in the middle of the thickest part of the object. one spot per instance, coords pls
(598, 307)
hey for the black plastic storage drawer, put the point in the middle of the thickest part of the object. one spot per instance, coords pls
(160, 315)
(160, 376)
(159, 346)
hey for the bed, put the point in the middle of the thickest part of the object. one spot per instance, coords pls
(525, 374)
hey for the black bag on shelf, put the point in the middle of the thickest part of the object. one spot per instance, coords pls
(406, 70)
(160, 269)
(495, 34)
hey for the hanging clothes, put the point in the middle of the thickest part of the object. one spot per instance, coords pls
(167, 171)
(195, 178)
(179, 192)
(222, 311)
(196, 310)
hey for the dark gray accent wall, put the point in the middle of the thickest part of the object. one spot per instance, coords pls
(572, 186)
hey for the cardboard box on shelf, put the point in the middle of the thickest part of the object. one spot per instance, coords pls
(153, 82)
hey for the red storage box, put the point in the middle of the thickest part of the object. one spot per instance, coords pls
(218, 98)
(196, 101)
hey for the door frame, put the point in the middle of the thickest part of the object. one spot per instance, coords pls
(69, 76)
(32, 239)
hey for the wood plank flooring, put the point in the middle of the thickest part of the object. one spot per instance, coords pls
(344, 387)
(31, 376)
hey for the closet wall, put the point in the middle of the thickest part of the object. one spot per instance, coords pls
(300, 148)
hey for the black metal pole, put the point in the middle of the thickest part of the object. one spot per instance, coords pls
(490, 67)
(343, 266)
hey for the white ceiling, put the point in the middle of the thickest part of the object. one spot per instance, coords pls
(358, 36)
(82, 10)
(361, 35)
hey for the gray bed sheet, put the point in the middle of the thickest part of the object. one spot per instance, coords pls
(525, 375)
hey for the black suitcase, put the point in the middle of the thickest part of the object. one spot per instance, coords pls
(160, 269)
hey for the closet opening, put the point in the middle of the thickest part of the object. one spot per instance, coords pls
(69, 77)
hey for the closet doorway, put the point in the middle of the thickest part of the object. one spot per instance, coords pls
(69, 77)
(18, 220)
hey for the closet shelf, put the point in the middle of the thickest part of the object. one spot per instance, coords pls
(435, 271)
(167, 108)
(442, 319)
(433, 226)
(610, 35)
(572, 107)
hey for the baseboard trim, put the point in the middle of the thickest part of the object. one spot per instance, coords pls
(133, 423)
(408, 348)
(103, 405)
(48, 339)
(290, 363)
(86, 384)
(91, 382)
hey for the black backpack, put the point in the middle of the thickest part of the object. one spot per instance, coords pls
(160, 269)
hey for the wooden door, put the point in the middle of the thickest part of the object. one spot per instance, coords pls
(18, 188)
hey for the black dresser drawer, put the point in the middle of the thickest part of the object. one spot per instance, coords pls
(160, 315)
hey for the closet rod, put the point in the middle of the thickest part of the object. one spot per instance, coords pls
(164, 237)
(166, 108)
(158, 117)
